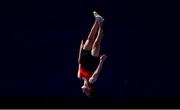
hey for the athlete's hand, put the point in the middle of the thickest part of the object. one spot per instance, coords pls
(93, 79)
(103, 57)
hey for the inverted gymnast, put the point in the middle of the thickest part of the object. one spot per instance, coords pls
(90, 61)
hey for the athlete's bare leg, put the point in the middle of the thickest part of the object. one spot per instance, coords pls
(96, 51)
(91, 37)
(96, 45)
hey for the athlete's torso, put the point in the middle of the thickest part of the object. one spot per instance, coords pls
(88, 63)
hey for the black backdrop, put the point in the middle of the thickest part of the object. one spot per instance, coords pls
(44, 38)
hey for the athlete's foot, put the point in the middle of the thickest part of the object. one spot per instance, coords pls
(98, 17)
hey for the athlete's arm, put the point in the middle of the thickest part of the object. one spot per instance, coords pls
(99, 68)
(80, 49)
(95, 75)
(78, 75)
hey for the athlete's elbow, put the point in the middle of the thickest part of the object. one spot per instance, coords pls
(78, 75)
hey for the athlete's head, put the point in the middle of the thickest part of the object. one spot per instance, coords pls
(92, 93)
(89, 91)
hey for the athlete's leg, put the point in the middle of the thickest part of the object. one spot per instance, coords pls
(89, 42)
(96, 45)
(96, 51)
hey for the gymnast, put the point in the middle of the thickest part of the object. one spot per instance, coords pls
(90, 61)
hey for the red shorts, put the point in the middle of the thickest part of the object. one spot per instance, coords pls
(84, 73)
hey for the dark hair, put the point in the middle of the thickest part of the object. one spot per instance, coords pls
(93, 93)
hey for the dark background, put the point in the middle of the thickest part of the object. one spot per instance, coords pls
(43, 39)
